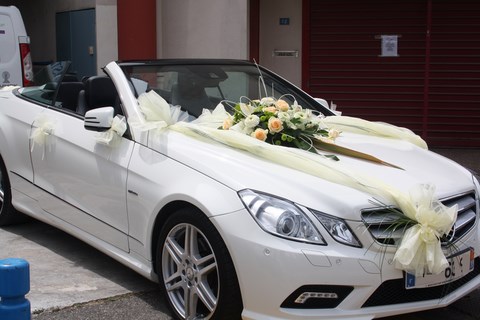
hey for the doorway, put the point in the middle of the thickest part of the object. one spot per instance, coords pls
(76, 41)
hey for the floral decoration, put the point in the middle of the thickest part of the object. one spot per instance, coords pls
(278, 123)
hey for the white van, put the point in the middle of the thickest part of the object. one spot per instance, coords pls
(15, 61)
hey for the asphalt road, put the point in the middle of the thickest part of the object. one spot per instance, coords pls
(71, 280)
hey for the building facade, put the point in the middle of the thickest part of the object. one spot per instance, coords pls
(413, 63)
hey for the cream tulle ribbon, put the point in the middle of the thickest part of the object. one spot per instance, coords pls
(157, 113)
(379, 129)
(116, 131)
(420, 249)
(420, 246)
(39, 136)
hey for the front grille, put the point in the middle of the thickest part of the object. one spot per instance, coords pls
(384, 228)
(394, 292)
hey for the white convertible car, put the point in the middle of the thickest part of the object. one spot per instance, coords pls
(239, 193)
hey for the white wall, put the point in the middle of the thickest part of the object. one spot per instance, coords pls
(107, 35)
(202, 29)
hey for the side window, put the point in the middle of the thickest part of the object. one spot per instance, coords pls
(44, 94)
(47, 83)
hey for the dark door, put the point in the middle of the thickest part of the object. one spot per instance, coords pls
(76, 41)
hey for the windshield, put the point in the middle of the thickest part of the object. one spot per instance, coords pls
(195, 87)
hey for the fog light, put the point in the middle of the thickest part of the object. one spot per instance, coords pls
(315, 295)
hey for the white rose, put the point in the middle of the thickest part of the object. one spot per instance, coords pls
(333, 134)
(284, 116)
(300, 115)
(252, 121)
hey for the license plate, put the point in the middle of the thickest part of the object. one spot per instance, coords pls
(460, 265)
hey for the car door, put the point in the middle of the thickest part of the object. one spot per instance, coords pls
(86, 179)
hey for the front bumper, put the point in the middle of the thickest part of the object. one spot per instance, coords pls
(353, 283)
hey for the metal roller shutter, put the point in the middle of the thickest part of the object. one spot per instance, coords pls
(431, 87)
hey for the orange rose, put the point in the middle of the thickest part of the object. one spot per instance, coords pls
(227, 123)
(275, 125)
(270, 109)
(282, 105)
(260, 134)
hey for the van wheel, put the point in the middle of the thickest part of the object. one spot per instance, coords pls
(8, 214)
(196, 272)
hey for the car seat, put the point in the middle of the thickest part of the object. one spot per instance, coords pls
(99, 92)
(67, 95)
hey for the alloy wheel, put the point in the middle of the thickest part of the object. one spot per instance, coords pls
(190, 272)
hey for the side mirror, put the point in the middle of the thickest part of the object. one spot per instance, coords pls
(332, 107)
(99, 119)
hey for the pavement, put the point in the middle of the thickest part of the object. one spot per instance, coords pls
(71, 280)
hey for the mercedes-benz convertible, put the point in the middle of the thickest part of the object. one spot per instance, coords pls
(240, 194)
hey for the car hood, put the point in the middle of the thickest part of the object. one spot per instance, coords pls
(238, 170)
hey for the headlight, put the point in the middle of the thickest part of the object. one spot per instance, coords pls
(338, 229)
(280, 217)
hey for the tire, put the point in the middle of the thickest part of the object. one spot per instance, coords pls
(8, 214)
(198, 281)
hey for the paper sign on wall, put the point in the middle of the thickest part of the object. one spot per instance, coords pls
(389, 45)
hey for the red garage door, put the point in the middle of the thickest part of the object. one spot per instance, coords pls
(426, 77)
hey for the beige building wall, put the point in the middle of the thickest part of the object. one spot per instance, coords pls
(185, 28)
(281, 45)
(202, 29)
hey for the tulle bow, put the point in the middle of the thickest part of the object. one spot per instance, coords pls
(39, 136)
(117, 129)
(158, 113)
(420, 249)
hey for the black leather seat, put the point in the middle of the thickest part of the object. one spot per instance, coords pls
(99, 92)
(67, 95)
